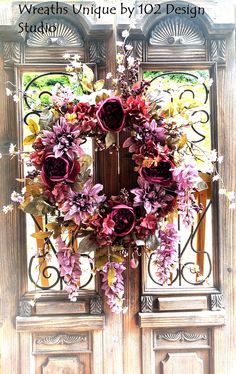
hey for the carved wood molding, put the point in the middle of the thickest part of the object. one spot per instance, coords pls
(216, 302)
(181, 319)
(65, 35)
(25, 308)
(181, 336)
(97, 52)
(61, 339)
(63, 364)
(11, 53)
(146, 304)
(218, 50)
(54, 323)
(95, 305)
(176, 31)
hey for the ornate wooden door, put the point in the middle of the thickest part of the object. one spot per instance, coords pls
(181, 328)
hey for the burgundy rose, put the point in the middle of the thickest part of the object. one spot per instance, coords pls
(111, 115)
(159, 172)
(124, 219)
(38, 156)
(56, 170)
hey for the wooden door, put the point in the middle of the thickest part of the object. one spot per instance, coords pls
(176, 329)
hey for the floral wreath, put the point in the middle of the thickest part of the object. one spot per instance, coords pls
(134, 221)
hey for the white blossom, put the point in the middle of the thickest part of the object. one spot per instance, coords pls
(8, 92)
(12, 149)
(7, 208)
(129, 47)
(130, 60)
(16, 197)
(121, 69)
(0, 155)
(109, 75)
(222, 191)
(215, 178)
(66, 56)
(16, 98)
(76, 57)
(213, 155)
(119, 44)
(125, 34)
(220, 159)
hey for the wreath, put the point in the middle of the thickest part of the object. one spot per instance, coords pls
(59, 182)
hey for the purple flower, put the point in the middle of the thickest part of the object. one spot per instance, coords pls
(166, 254)
(153, 197)
(69, 267)
(111, 115)
(81, 205)
(58, 169)
(147, 133)
(114, 292)
(64, 139)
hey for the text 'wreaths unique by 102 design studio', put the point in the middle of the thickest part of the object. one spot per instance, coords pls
(137, 221)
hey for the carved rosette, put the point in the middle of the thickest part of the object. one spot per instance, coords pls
(176, 31)
(97, 52)
(146, 304)
(65, 35)
(181, 336)
(216, 302)
(218, 50)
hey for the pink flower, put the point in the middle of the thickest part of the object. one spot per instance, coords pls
(80, 206)
(108, 225)
(111, 115)
(185, 176)
(58, 169)
(60, 192)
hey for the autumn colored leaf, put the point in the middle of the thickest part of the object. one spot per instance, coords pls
(33, 126)
(111, 278)
(99, 84)
(29, 139)
(41, 234)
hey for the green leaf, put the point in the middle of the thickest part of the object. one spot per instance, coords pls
(85, 161)
(111, 278)
(88, 244)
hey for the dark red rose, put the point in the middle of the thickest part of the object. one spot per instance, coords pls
(124, 218)
(58, 169)
(159, 172)
(86, 116)
(111, 115)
